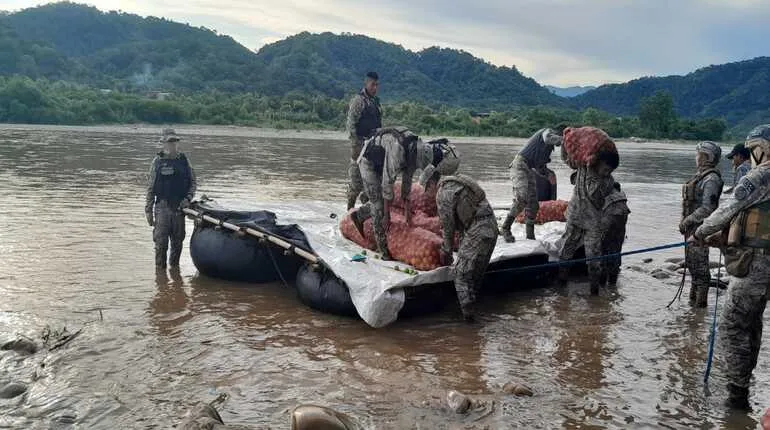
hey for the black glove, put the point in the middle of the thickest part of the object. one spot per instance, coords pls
(150, 218)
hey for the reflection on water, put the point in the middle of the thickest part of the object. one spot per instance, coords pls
(74, 242)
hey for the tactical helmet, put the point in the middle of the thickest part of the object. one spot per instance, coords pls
(712, 149)
(758, 140)
(445, 161)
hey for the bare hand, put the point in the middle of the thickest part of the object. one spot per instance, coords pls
(766, 420)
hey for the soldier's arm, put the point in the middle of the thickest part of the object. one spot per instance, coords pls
(150, 196)
(748, 192)
(712, 189)
(193, 182)
(446, 201)
(355, 109)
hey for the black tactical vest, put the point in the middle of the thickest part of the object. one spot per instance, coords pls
(371, 117)
(172, 179)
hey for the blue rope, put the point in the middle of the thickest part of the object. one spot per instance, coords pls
(583, 260)
(712, 341)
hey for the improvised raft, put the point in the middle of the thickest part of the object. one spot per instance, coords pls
(332, 274)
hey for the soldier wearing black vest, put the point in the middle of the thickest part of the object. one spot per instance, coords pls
(364, 118)
(171, 187)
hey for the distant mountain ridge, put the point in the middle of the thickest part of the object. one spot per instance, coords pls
(121, 51)
(737, 92)
(569, 92)
(116, 49)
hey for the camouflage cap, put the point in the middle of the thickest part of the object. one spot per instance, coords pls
(169, 135)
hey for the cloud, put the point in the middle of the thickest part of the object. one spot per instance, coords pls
(561, 42)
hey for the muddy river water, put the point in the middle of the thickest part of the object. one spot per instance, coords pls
(75, 252)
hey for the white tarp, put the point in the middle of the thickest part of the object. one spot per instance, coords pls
(375, 286)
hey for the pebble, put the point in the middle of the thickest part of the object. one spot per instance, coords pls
(458, 402)
(647, 260)
(675, 260)
(672, 267)
(635, 268)
(680, 270)
(14, 389)
(660, 275)
(22, 346)
(517, 389)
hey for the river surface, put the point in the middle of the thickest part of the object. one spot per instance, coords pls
(74, 244)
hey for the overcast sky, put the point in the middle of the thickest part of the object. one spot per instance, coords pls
(559, 42)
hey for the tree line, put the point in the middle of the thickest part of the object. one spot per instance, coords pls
(24, 100)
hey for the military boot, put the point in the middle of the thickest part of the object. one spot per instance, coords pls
(594, 285)
(530, 230)
(738, 398)
(505, 230)
(469, 312)
(693, 295)
(701, 296)
(612, 278)
(160, 259)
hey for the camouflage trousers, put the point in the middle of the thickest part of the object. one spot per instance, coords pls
(524, 192)
(169, 227)
(375, 207)
(591, 239)
(473, 257)
(355, 185)
(740, 326)
(697, 260)
(612, 243)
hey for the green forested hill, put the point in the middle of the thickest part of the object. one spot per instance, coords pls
(122, 50)
(71, 63)
(733, 91)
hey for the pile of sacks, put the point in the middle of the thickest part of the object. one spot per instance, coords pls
(550, 210)
(583, 143)
(418, 245)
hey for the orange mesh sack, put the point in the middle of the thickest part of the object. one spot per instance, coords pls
(423, 200)
(413, 245)
(551, 210)
(582, 144)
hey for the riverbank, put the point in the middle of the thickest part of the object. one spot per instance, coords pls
(266, 132)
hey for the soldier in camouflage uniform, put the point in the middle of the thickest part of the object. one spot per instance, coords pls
(390, 153)
(463, 208)
(364, 118)
(700, 197)
(747, 257)
(584, 216)
(534, 155)
(170, 188)
(614, 219)
(741, 161)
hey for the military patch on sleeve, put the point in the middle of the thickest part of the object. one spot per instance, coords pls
(744, 189)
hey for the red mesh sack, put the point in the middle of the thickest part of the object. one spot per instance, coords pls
(582, 144)
(551, 210)
(422, 200)
(412, 245)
